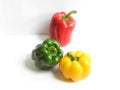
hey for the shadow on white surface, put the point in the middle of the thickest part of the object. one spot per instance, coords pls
(58, 75)
(43, 37)
(29, 64)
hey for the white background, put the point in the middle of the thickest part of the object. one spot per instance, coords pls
(96, 32)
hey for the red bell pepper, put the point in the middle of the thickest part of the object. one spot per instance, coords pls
(61, 27)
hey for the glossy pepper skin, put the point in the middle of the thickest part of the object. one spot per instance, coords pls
(47, 54)
(75, 65)
(61, 27)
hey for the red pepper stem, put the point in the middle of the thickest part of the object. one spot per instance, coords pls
(69, 14)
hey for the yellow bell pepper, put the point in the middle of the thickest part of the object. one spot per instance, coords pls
(75, 65)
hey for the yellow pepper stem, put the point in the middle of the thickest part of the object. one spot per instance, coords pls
(72, 56)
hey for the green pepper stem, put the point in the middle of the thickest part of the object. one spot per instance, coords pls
(72, 57)
(52, 50)
(69, 14)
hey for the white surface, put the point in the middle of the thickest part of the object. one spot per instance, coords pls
(18, 72)
(97, 32)
(33, 16)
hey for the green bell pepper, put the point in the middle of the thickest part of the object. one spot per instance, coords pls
(47, 54)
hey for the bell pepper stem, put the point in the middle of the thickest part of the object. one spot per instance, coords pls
(52, 50)
(72, 57)
(66, 18)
